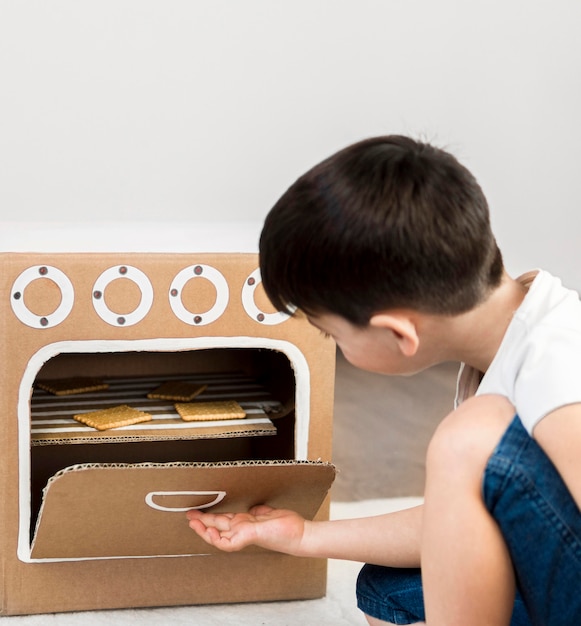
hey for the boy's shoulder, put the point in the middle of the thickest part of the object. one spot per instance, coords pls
(549, 310)
(538, 361)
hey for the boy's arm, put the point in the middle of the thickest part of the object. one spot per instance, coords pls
(392, 539)
(559, 434)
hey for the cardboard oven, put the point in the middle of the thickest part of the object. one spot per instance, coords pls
(96, 519)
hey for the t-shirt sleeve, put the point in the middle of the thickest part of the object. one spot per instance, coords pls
(550, 374)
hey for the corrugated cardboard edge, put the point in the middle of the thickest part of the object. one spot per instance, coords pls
(136, 466)
(262, 432)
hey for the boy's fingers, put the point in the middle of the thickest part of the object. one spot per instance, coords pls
(220, 521)
(198, 527)
(209, 534)
(215, 537)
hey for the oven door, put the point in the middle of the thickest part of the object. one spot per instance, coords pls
(99, 511)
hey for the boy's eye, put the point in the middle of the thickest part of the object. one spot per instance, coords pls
(325, 335)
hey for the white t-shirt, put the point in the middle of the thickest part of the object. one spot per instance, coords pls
(538, 364)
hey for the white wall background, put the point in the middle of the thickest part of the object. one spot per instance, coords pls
(207, 110)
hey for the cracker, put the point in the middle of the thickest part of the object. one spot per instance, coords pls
(204, 411)
(176, 390)
(113, 417)
(70, 386)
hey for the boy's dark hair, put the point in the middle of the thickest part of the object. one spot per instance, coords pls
(386, 223)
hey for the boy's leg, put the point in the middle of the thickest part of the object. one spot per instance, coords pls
(524, 495)
(541, 523)
(466, 568)
(395, 596)
(458, 455)
(538, 523)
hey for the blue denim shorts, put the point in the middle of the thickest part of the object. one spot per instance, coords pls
(541, 525)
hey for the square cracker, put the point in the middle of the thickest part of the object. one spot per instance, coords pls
(204, 411)
(176, 390)
(113, 417)
(72, 385)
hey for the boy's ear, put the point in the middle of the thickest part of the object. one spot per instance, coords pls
(403, 329)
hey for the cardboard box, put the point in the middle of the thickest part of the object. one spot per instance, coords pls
(96, 519)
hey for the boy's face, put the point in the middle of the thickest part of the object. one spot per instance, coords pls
(371, 348)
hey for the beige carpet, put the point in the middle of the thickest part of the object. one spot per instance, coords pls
(338, 608)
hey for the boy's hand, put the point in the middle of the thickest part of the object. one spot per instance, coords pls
(274, 529)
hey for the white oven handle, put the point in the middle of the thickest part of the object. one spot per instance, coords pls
(220, 495)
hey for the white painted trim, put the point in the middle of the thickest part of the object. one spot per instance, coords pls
(295, 356)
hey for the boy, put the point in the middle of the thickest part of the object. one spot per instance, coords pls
(386, 246)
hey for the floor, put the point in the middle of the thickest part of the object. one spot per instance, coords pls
(382, 428)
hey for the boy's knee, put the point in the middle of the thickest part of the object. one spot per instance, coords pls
(466, 438)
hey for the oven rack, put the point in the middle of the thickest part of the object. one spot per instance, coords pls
(52, 419)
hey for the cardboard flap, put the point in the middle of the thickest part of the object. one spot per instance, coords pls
(108, 511)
